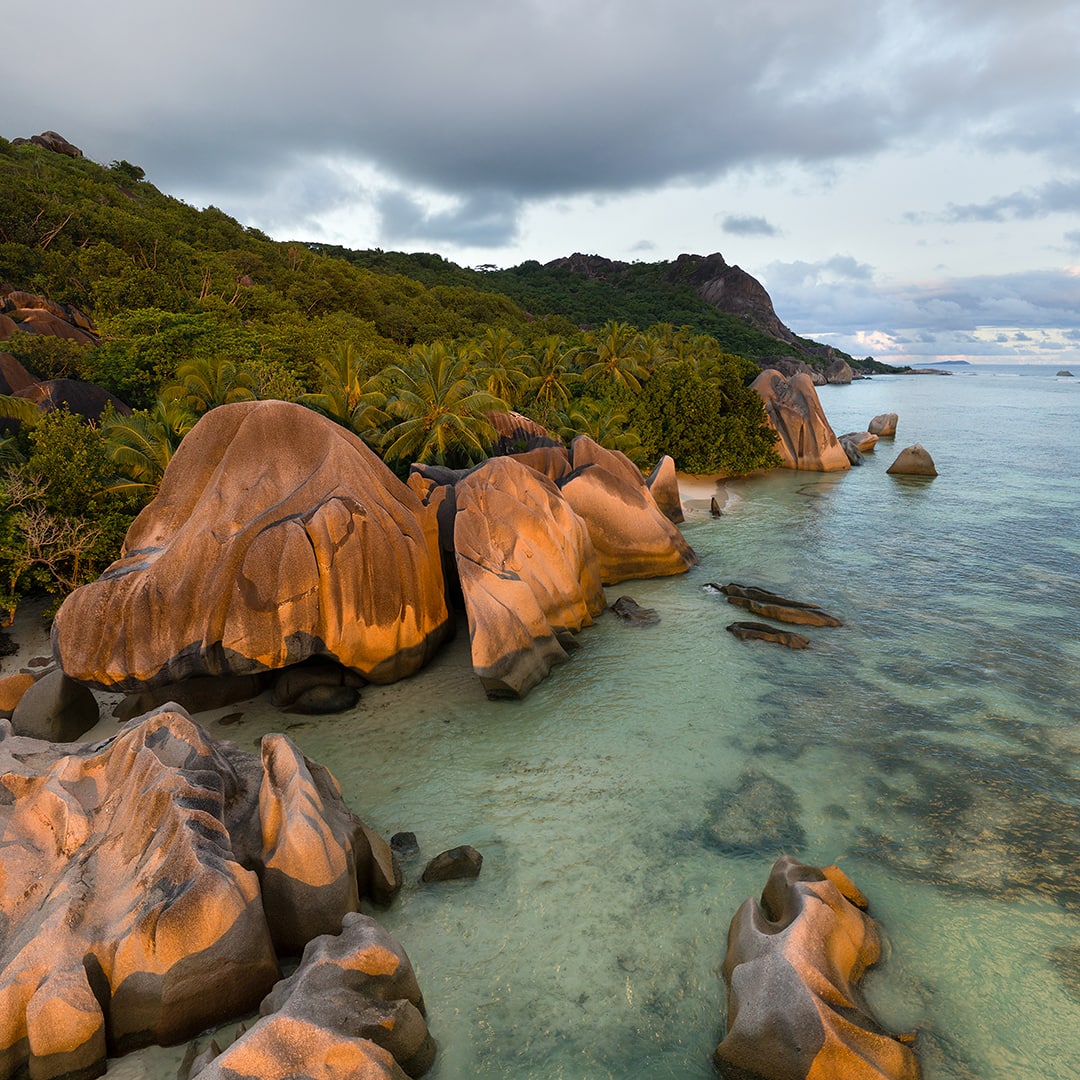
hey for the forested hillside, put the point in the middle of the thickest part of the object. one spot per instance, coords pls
(176, 310)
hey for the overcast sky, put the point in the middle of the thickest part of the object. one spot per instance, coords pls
(902, 176)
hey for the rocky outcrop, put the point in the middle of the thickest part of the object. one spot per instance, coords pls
(249, 560)
(794, 411)
(35, 314)
(913, 461)
(883, 425)
(528, 572)
(13, 376)
(1064, 373)
(792, 966)
(518, 433)
(458, 864)
(50, 140)
(146, 878)
(627, 610)
(82, 398)
(352, 1008)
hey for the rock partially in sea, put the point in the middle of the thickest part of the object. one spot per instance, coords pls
(458, 864)
(1064, 373)
(857, 443)
(629, 611)
(258, 552)
(839, 373)
(352, 1008)
(145, 879)
(793, 409)
(770, 605)
(883, 425)
(529, 574)
(913, 461)
(793, 963)
(755, 631)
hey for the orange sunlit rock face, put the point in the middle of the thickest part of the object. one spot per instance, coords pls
(794, 410)
(277, 535)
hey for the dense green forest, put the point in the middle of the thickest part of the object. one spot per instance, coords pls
(190, 310)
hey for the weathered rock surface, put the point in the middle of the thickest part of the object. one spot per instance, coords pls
(769, 605)
(13, 376)
(794, 411)
(883, 425)
(12, 688)
(249, 561)
(56, 709)
(457, 864)
(50, 140)
(633, 538)
(518, 433)
(85, 399)
(755, 631)
(134, 911)
(663, 483)
(528, 573)
(913, 461)
(352, 1008)
(863, 441)
(792, 966)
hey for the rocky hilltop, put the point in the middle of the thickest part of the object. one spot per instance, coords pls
(728, 288)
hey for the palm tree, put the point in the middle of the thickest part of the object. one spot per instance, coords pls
(550, 376)
(142, 444)
(500, 362)
(607, 426)
(349, 396)
(616, 353)
(441, 414)
(203, 383)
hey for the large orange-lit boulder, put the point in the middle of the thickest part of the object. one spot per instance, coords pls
(146, 878)
(632, 536)
(793, 962)
(276, 535)
(352, 1008)
(528, 573)
(794, 410)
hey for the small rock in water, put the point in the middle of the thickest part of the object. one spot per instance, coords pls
(405, 844)
(913, 461)
(755, 631)
(454, 865)
(631, 612)
(714, 508)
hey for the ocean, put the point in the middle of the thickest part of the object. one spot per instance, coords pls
(930, 746)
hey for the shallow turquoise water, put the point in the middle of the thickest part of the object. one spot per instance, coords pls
(930, 746)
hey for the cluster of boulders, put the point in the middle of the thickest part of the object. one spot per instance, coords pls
(793, 409)
(26, 313)
(249, 561)
(151, 881)
(770, 605)
(793, 963)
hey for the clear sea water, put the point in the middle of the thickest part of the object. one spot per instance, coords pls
(930, 746)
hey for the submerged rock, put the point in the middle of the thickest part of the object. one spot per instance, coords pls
(792, 966)
(258, 552)
(760, 815)
(755, 631)
(913, 461)
(793, 409)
